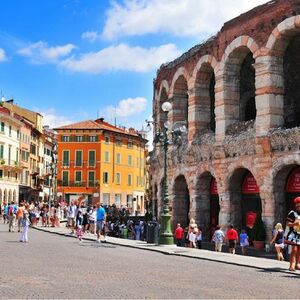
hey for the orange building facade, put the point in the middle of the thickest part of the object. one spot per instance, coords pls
(98, 162)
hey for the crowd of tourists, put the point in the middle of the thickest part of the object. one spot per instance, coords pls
(109, 220)
(286, 242)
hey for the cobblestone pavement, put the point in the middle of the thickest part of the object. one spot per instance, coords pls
(53, 266)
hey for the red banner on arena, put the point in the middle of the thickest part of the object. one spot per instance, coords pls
(250, 219)
(293, 184)
(213, 187)
(249, 185)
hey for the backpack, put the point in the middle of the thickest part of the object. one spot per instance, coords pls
(11, 210)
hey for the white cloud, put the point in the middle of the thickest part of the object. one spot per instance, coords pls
(180, 17)
(91, 36)
(126, 108)
(52, 119)
(40, 52)
(2, 55)
(122, 57)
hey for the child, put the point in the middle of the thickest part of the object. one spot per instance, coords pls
(79, 232)
(244, 241)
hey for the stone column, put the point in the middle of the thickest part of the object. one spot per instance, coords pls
(224, 216)
(269, 83)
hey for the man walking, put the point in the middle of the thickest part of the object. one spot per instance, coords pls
(12, 210)
(218, 238)
(179, 233)
(101, 217)
(232, 237)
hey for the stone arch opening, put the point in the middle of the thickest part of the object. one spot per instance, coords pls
(239, 86)
(205, 98)
(207, 204)
(180, 102)
(163, 116)
(181, 202)
(245, 201)
(5, 196)
(291, 73)
(9, 196)
(286, 188)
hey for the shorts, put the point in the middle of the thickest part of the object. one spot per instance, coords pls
(279, 245)
(99, 225)
(232, 243)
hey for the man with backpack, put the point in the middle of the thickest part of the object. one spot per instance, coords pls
(12, 211)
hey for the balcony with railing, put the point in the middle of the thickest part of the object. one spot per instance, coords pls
(92, 184)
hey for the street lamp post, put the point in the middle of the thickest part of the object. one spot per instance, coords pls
(166, 136)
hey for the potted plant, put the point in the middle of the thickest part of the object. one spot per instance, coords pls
(259, 233)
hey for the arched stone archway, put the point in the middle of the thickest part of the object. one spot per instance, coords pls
(179, 113)
(181, 202)
(207, 204)
(239, 85)
(163, 115)
(9, 196)
(202, 100)
(282, 195)
(245, 201)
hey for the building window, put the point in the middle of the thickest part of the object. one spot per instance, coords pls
(78, 138)
(91, 178)
(129, 160)
(107, 139)
(18, 134)
(118, 200)
(66, 158)
(130, 144)
(92, 138)
(118, 142)
(92, 158)
(65, 138)
(9, 155)
(105, 177)
(129, 201)
(1, 151)
(1, 174)
(118, 158)
(78, 155)
(78, 178)
(106, 198)
(129, 180)
(33, 149)
(2, 127)
(106, 156)
(9, 130)
(118, 178)
(65, 178)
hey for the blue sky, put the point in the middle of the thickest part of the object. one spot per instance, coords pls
(73, 60)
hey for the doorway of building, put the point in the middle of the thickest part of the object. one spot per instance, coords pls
(251, 202)
(214, 206)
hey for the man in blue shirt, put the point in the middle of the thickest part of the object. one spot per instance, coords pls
(101, 217)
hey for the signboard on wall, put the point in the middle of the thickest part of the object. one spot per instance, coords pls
(249, 185)
(293, 184)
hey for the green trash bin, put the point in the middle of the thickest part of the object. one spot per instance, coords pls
(124, 233)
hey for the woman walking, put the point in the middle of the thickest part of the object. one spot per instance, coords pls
(293, 236)
(25, 225)
(278, 239)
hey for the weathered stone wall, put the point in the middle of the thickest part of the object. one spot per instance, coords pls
(251, 58)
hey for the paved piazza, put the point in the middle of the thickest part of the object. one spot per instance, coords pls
(53, 266)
